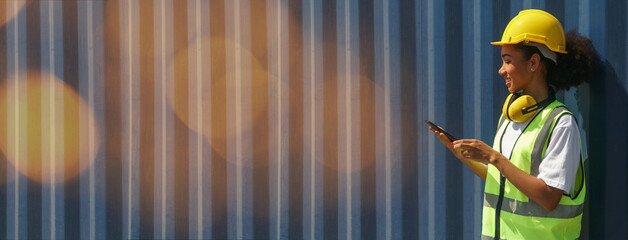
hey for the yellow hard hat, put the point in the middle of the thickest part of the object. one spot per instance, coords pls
(535, 25)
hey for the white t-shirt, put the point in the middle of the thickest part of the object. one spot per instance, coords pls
(560, 164)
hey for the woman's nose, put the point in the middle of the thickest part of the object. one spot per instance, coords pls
(502, 71)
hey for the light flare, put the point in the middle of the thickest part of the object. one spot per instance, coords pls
(46, 114)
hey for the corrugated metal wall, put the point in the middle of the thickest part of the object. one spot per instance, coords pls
(281, 119)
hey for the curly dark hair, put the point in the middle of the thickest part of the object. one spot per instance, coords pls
(577, 66)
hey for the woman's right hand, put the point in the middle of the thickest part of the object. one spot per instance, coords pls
(478, 168)
(443, 139)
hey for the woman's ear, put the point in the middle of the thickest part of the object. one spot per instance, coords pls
(534, 61)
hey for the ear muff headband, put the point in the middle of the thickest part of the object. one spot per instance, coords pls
(519, 108)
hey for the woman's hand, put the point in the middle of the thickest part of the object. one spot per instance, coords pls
(478, 168)
(477, 150)
(445, 141)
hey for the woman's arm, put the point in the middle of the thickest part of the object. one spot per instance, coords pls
(536, 189)
(479, 169)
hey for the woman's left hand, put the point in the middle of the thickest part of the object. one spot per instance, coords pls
(476, 150)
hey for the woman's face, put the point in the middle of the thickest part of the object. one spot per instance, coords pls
(515, 69)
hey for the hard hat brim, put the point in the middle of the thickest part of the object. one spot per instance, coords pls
(500, 43)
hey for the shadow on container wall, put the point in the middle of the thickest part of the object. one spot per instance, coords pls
(607, 181)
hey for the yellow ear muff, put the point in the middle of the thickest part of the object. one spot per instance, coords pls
(518, 107)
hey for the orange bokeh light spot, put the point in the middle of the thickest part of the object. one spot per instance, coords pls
(49, 133)
(186, 101)
(10, 9)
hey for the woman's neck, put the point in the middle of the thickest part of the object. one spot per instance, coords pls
(537, 88)
(539, 94)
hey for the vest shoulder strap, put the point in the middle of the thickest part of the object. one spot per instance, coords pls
(502, 120)
(542, 140)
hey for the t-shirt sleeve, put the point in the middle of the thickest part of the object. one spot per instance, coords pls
(562, 157)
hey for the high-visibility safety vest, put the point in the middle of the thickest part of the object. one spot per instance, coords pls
(510, 214)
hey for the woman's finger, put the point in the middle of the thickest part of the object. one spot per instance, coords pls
(440, 136)
(457, 145)
(468, 144)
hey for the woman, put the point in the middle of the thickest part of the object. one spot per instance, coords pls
(534, 172)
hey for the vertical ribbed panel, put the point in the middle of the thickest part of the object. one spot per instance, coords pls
(276, 119)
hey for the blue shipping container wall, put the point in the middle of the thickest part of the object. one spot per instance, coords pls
(276, 119)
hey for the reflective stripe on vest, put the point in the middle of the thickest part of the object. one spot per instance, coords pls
(484, 237)
(517, 216)
(532, 208)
